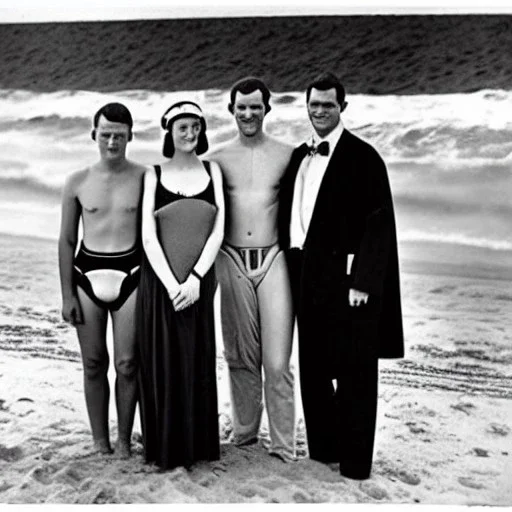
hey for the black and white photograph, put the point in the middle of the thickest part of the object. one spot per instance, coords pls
(256, 254)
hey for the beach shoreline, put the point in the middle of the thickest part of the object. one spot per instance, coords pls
(444, 420)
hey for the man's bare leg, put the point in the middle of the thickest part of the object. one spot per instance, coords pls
(240, 328)
(123, 322)
(93, 346)
(276, 321)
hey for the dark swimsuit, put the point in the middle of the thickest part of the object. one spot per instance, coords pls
(123, 261)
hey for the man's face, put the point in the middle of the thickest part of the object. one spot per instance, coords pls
(324, 110)
(249, 112)
(112, 139)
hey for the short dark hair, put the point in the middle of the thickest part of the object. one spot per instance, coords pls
(246, 86)
(115, 113)
(168, 148)
(326, 81)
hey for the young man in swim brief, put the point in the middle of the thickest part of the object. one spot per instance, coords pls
(102, 278)
(256, 307)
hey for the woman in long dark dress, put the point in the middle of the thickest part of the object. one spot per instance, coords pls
(175, 329)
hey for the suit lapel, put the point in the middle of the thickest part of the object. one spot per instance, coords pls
(334, 166)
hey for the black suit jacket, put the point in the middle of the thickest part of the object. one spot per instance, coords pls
(353, 214)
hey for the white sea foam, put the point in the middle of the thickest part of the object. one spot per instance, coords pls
(449, 156)
(455, 238)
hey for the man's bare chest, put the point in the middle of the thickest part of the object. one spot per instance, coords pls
(114, 198)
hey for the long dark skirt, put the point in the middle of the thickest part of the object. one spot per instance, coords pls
(178, 386)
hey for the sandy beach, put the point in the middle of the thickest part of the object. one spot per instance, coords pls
(444, 422)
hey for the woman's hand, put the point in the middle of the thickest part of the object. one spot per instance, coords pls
(188, 293)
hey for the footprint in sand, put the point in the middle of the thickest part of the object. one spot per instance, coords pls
(206, 481)
(469, 482)
(497, 429)
(463, 407)
(302, 497)
(107, 494)
(10, 454)
(69, 475)
(250, 491)
(406, 477)
(480, 452)
(415, 429)
(43, 474)
(273, 483)
(373, 490)
(395, 473)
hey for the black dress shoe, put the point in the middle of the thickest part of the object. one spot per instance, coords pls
(355, 473)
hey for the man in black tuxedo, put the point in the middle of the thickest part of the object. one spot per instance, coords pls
(337, 224)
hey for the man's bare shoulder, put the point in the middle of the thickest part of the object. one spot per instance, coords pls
(279, 145)
(222, 150)
(75, 180)
(137, 169)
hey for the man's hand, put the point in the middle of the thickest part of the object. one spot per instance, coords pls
(356, 298)
(188, 293)
(72, 312)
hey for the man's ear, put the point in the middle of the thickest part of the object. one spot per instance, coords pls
(93, 135)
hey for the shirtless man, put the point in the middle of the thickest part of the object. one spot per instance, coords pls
(256, 307)
(102, 277)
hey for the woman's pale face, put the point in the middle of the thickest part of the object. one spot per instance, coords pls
(185, 133)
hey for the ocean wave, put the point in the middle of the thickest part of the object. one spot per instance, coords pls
(449, 156)
(20, 185)
(50, 122)
(29, 206)
(459, 130)
(456, 239)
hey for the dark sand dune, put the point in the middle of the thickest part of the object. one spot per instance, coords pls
(373, 54)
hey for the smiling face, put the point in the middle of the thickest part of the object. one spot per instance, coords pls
(324, 110)
(249, 112)
(112, 139)
(185, 133)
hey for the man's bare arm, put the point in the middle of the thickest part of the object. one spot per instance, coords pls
(70, 217)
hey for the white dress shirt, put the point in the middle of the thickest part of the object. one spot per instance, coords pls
(307, 184)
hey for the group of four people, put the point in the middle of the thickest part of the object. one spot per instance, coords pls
(305, 233)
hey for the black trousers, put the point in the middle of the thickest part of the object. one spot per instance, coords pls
(340, 422)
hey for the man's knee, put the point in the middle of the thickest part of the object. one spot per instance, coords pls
(277, 370)
(96, 367)
(126, 366)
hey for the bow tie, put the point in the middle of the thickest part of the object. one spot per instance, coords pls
(321, 149)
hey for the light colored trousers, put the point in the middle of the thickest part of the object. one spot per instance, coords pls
(257, 327)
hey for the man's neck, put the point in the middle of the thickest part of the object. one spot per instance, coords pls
(112, 166)
(252, 141)
(323, 136)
